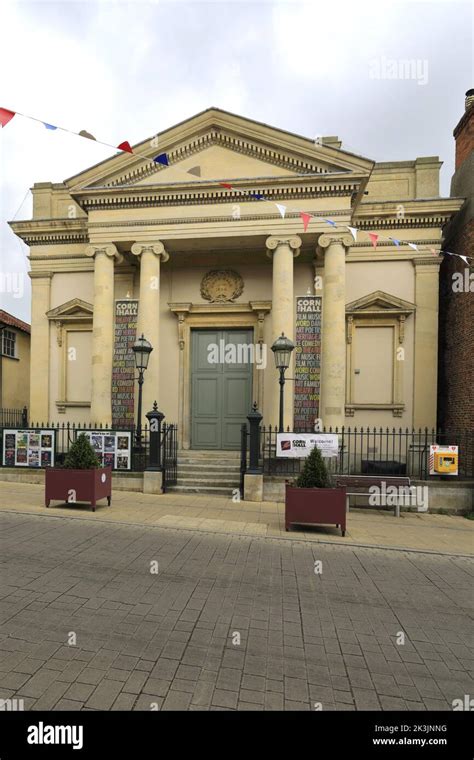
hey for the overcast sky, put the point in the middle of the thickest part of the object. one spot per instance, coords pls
(124, 71)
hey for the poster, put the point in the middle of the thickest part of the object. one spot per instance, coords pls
(299, 445)
(123, 368)
(307, 362)
(113, 448)
(28, 448)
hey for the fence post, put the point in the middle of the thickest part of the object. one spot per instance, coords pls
(24, 417)
(254, 419)
(253, 477)
(153, 475)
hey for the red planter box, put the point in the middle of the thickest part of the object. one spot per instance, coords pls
(87, 485)
(315, 506)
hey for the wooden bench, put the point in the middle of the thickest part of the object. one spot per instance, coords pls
(359, 485)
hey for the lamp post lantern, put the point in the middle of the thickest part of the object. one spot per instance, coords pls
(282, 349)
(142, 350)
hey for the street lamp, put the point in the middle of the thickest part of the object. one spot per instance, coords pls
(282, 349)
(142, 350)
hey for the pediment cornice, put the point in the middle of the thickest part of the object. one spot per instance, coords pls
(75, 310)
(379, 302)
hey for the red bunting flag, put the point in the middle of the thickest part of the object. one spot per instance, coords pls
(373, 238)
(125, 146)
(226, 185)
(6, 116)
(306, 220)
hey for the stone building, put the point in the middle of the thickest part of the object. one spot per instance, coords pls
(14, 364)
(207, 249)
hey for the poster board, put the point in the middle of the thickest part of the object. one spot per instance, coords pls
(307, 361)
(113, 447)
(28, 448)
(299, 445)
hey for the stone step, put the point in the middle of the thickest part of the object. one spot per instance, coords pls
(209, 454)
(197, 468)
(205, 475)
(217, 490)
(231, 482)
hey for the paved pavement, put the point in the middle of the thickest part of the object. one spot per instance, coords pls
(212, 514)
(227, 622)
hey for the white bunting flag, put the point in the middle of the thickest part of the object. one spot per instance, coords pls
(412, 245)
(353, 231)
(281, 209)
(464, 258)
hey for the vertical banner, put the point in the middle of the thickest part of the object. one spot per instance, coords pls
(123, 371)
(307, 362)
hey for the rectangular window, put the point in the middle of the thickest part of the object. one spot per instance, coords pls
(9, 343)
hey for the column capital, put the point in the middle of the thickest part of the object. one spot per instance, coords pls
(156, 247)
(292, 241)
(109, 249)
(328, 238)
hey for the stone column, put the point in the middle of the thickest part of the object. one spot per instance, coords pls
(39, 347)
(426, 342)
(283, 250)
(333, 344)
(149, 313)
(102, 332)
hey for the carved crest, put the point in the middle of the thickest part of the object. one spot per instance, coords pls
(221, 286)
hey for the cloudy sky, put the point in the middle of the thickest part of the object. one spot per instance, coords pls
(126, 70)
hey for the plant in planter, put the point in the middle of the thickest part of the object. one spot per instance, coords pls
(81, 478)
(311, 499)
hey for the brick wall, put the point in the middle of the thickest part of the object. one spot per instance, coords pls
(456, 309)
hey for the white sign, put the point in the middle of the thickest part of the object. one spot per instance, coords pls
(450, 452)
(28, 448)
(112, 447)
(300, 444)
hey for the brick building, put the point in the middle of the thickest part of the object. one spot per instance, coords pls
(456, 309)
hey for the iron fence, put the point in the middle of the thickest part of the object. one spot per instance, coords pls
(14, 418)
(66, 433)
(369, 451)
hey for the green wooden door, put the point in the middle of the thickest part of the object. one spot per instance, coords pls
(221, 387)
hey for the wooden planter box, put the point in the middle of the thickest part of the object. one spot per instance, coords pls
(89, 485)
(315, 506)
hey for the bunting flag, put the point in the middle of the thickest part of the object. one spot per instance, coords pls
(306, 219)
(6, 116)
(125, 146)
(85, 133)
(162, 159)
(373, 238)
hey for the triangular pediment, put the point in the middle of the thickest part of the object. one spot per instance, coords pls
(75, 309)
(217, 145)
(380, 302)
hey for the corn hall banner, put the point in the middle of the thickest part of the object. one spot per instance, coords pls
(123, 368)
(299, 445)
(307, 362)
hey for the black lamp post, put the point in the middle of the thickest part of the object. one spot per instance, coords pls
(282, 349)
(142, 350)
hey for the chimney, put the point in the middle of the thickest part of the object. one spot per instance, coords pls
(464, 131)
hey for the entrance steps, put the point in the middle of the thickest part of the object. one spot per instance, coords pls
(215, 472)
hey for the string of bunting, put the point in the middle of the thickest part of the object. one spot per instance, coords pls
(162, 158)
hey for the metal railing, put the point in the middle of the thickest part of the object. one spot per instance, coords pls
(14, 418)
(368, 451)
(66, 433)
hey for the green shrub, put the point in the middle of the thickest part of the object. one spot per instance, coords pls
(314, 473)
(81, 455)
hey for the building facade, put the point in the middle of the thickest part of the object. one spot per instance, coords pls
(207, 253)
(456, 354)
(14, 363)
